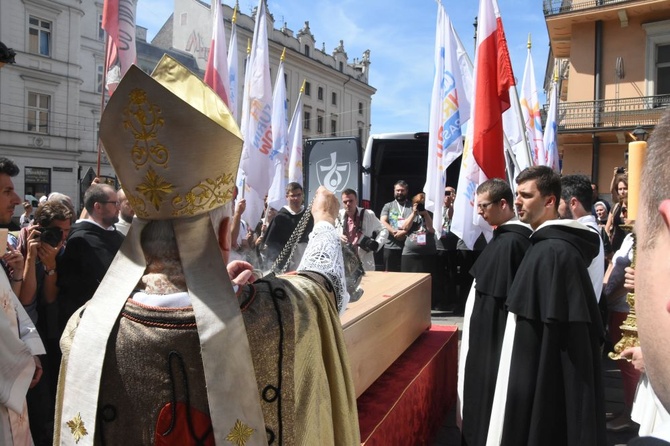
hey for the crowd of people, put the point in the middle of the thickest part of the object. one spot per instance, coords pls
(125, 327)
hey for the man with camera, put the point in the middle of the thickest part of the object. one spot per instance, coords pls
(360, 228)
(40, 244)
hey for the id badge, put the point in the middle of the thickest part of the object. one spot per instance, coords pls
(401, 222)
(421, 239)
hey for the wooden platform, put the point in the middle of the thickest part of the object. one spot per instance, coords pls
(389, 317)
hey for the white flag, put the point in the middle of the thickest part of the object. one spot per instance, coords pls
(550, 133)
(449, 109)
(255, 162)
(277, 192)
(295, 142)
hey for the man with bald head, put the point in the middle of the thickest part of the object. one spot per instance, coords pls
(126, 213)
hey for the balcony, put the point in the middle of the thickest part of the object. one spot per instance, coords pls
(553, 7)
(611, 114)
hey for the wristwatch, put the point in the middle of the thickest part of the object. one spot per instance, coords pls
(50, 272)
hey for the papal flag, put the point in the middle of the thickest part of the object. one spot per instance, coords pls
(216, 72)
(118, 20)
(449, 110)
(483, 155)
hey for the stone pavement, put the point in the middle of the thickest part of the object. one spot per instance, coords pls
(449, 434)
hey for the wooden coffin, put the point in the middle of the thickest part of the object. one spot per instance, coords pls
(383, 323)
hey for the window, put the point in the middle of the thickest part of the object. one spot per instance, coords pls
(319, 94)
(39, 36)
(37, 181)
(663, 69)
(333, 127)
(101, 32)
(360, 133)
(334, 98)
(308, 89)
(360, 108)
(657, 58)
(307, 50)
(341, 67)
(37, 112)
(306, 122)
(319, 124)
(99, 76)
(183, 19)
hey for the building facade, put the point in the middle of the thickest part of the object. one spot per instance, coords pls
(613, 59)
(50, 99)
(337, 96)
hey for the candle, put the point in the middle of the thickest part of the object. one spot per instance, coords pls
(636, 153)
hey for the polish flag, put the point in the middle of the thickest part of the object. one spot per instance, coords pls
(216, 72)
(483, 155)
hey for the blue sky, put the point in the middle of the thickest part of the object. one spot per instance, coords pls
(400, 35)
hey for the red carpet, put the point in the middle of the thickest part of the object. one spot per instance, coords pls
(407, 404)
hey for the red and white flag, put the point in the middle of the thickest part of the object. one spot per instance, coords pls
(483, 155)
(216, 72)
(118, 20)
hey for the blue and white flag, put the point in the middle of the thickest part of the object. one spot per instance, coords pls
(449, 110)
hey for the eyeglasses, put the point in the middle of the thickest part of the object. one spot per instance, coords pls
(484, 206)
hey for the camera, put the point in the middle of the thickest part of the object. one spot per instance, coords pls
(420, 207)
(620, 170)
(367, 244)
(51, 236)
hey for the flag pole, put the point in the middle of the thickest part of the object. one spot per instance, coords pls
(102, 99)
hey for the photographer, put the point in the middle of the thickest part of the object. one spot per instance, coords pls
(419, 255)
(41, 244)
(361, 228)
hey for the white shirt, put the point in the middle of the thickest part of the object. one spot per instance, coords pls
(597, 266)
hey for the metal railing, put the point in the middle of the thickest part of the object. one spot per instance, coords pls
(611, 113)
(553, 7)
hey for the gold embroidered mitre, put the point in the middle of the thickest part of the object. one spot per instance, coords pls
(152, 128)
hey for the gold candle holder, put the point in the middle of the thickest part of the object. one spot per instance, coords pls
(629, 326)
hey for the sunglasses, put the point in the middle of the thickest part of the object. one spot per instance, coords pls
(447, 193)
